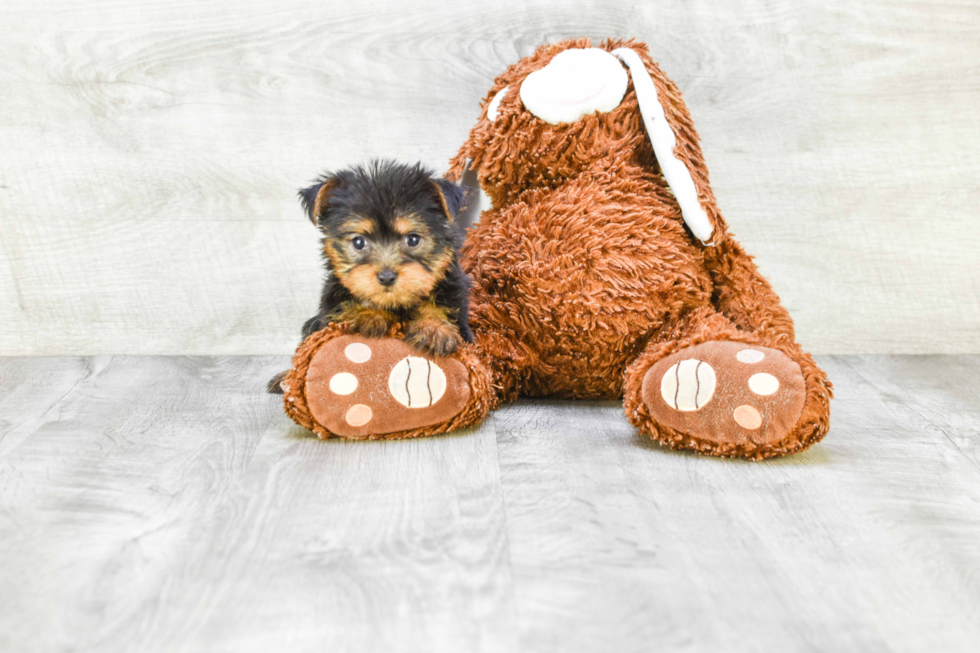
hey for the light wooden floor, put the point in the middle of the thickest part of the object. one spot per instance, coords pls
(167, 504)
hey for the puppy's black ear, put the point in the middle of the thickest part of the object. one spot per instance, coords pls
(453, 198)
(315, 198)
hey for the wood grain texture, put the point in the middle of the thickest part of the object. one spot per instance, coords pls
(167, 504)
(869, 541)
(152, 152)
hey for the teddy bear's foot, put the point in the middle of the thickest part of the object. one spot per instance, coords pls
(358, 387)
(350, 386)
(729, 399)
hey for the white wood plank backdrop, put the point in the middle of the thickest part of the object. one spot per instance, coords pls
(149, 153)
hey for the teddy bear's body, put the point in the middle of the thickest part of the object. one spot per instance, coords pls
(604, 269)
(583, 286)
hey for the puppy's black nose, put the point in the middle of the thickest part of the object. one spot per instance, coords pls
(387, 277)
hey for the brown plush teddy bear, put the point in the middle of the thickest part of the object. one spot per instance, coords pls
(604, 269)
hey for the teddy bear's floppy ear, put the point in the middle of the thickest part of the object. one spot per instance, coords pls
(458, 166)
(314, 198)
(675, 144)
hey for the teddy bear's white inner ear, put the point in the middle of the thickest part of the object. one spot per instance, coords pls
(575, 83)
(495, 103)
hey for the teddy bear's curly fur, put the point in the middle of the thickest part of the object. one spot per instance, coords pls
(588, 284)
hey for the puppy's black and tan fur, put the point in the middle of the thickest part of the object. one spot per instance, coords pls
(390, 250)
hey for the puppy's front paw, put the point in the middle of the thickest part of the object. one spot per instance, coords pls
(433, 337)
(369, 323)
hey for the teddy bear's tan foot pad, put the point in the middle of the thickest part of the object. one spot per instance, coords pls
(360, 387)
(726, 392)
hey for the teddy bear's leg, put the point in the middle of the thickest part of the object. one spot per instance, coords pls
(711, 387)
(349, 386)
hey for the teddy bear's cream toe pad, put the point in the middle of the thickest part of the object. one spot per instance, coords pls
(359, 387)
(726, 392)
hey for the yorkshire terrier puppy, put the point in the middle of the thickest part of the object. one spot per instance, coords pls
(391, 254)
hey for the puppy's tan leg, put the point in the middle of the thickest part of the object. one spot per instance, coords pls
(367, 321)
(432, 332)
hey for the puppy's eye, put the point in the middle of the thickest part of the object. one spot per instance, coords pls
(358, 242)
(413, 240)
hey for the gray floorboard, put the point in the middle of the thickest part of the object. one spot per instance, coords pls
(167, 504)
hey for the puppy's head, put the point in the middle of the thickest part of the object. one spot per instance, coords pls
(388, 233)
